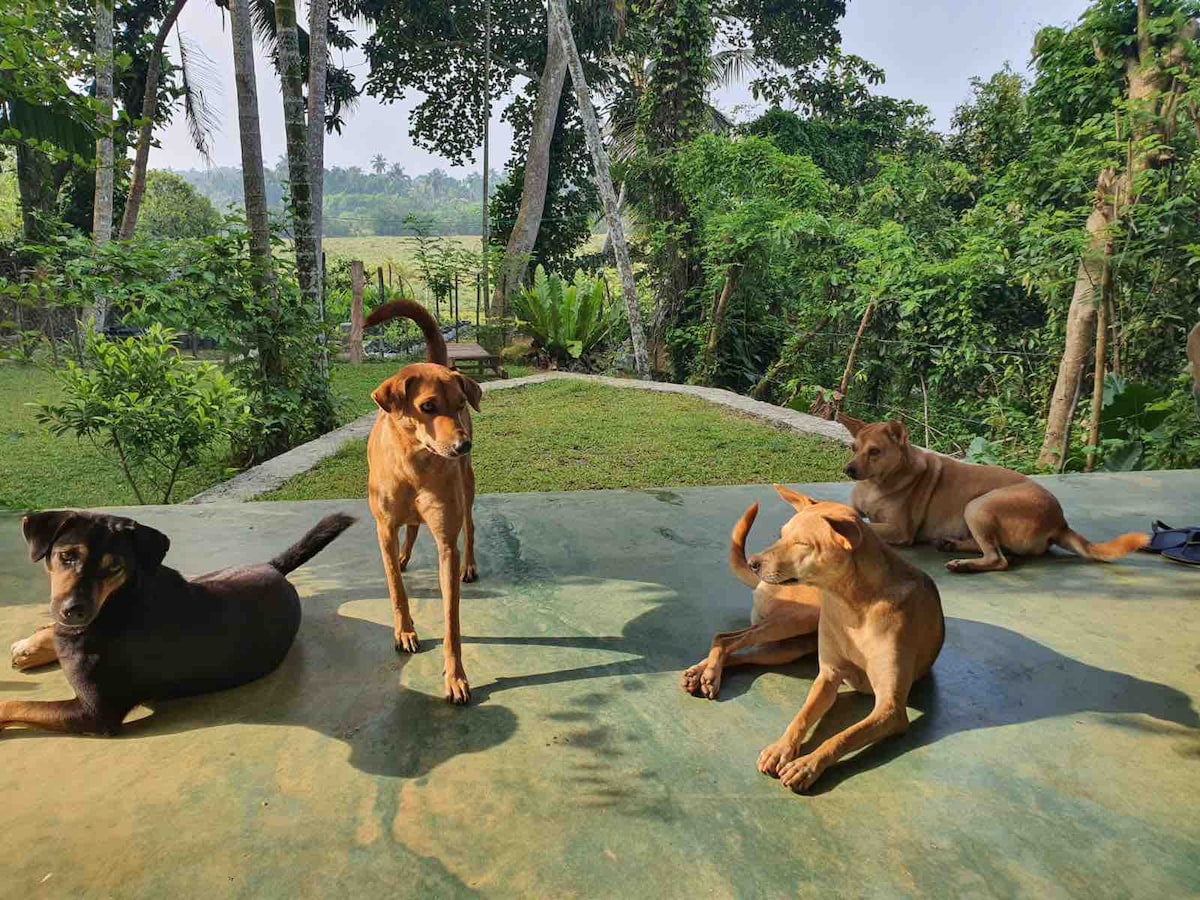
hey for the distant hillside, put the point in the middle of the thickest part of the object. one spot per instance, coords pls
(366, 203)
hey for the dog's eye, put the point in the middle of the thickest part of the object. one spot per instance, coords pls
(68, 557)
(874, 451)
(428, 407)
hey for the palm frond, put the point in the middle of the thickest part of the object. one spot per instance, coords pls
(200, 81)
(730, 66)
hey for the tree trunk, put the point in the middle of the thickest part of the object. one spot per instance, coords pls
(137, 183)
(718, 316)
(537, 175)
(591, 129)
(253, 178)
(102, 210)
(356, 311)
(606, 249)
(1098, 376)
(291, 76)
(318, 65)
(1081, 317)
(848, 372)
(1193, 354)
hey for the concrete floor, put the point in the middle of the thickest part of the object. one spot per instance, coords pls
(1056, 751)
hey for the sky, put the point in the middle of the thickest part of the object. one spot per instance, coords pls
(930, 49)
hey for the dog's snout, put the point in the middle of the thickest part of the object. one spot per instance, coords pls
(851, 470)
(463, 447)
(73, 614)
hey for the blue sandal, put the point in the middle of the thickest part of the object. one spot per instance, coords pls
(1188, 554)
(1166, 538)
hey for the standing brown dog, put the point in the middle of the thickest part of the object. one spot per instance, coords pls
(783, 623)
(418, 457)
(881, 630)
(912, 495)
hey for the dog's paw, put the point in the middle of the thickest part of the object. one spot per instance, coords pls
(799, 774)
(406, 642)
(470, 573)
(457, 689)
(959, 566)
(404, 561)
(28, 654)
(702, 680)
(774, 756)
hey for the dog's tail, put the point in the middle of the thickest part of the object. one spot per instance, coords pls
(1106, 552)
(737, 549)
(320, 537)
(410, 309)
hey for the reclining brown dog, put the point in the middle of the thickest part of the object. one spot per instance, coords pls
(419, 470)
(881, 629)
(783, 623)
(912, 496)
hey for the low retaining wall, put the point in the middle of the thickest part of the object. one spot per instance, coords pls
(283, 468)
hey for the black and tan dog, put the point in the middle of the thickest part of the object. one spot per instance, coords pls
(128, 629)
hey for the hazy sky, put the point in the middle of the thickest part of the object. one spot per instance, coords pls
(928, 48)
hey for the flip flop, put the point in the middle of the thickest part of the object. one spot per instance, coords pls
(1167, 538)
(1188, 554)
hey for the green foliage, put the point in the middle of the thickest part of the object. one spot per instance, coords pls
(567, 319)
(172, 209)
(140, 401)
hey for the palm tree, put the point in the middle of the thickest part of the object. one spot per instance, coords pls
(379, 164)
(102, 212)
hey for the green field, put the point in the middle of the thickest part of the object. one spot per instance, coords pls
(572, 436)
(400, 251)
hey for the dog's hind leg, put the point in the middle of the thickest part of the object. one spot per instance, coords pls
(776, 653)
(704, 678)
(410, 538)
(403, 629)
(984, 525)
(36, 650)
(55, 715)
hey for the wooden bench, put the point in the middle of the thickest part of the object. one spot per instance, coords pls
(473, 353)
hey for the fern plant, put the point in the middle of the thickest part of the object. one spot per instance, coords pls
(566, 319)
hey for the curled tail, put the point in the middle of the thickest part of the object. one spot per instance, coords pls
(410, 309)
(1106, 552)
(321, 535)
(737, 549)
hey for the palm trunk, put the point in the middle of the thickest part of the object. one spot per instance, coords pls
(606, 249)
(253, 178)
(1081, 321)
(137, 184)
(102, 209)
(291, 75)
(591, 129)
(318, 64)
(537, 175)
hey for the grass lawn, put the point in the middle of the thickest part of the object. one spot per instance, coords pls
(570, 436)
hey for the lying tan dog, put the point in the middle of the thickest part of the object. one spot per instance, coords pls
(914, 496)
(420, 471)
(783, 623)
(881, 629)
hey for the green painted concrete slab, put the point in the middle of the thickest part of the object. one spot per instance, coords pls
(1056, 753)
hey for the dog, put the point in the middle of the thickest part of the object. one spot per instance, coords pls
(419, 464)
(783, 623)
(881, 629)
(128, 629)
(911, 495)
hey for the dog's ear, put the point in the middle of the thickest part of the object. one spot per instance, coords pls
(853, 425)
(389, 396)
(42, 529)
(797, 501)
(473, 391)
(847, 531)
(150, 545)
(898, 431)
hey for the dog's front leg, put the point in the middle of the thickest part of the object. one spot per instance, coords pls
(887, 718)
(403, 629)
(894, 533)
(54, 715)
(36, 650)
(457, 689)
(820, 698)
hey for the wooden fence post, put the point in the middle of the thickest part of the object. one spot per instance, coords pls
(357, 278)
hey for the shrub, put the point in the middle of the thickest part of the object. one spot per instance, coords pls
(566, 320)
(155, 412)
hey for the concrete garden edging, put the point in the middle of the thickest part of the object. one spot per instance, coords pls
(268, 476)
